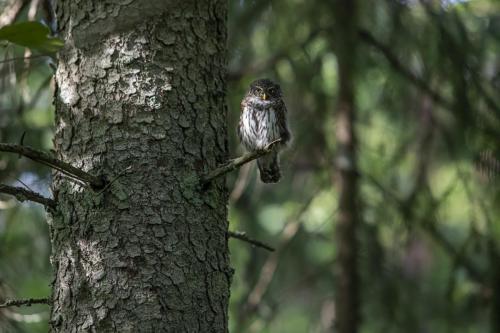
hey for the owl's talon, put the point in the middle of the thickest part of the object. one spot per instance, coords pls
(270, 145)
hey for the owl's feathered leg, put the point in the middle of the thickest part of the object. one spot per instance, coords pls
(269, 168)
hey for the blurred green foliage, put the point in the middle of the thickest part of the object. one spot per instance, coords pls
(33, 35)
(428, 151)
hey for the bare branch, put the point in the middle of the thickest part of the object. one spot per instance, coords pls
(428, 225)
(48, 160)
(368, 38)
(108, 185)
(268, 270)
(456, 254)
(24, 302)
(243, 236)
(258, 67)
(22, 194)
(23, 58)
(237, 162)
(422, 84)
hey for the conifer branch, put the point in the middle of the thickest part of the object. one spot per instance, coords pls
(24, 302)
(46, 159)
(237, 162)
(22, 194)
(243, 237)
(397, 65)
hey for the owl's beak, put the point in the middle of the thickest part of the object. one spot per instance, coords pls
(263, 96)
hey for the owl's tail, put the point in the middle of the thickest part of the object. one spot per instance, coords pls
(269, 168)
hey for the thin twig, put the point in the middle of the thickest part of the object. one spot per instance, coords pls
(422, 84)
(24, 184)
(456, 254)
(237, 162)
(417, 81)
(21, 141)
(114, 179)
(23, 194)
(431, 229)
(46, 159)
(267, 271)
(23, 58)
(258, 67)
(243, 236)
(24, 302)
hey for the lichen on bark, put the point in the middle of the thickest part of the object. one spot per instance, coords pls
(140, 87)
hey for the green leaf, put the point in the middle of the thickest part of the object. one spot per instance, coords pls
(31, 34)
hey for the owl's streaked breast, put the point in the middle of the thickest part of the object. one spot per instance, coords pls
(258, 126)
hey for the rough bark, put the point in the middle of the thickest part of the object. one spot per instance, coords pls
(140, 87)
(346, 272)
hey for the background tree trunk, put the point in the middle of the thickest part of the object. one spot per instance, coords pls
(346, 272)
(140, 100)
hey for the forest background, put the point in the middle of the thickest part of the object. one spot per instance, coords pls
(428, 151)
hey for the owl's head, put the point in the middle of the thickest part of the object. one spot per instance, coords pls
(265, 89)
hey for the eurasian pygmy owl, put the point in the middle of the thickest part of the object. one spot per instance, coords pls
(262, 121)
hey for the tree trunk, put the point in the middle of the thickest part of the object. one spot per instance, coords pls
(346, 272)
(140, 101)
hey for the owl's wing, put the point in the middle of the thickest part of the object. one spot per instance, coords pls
(240, 124)
(282, 122)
